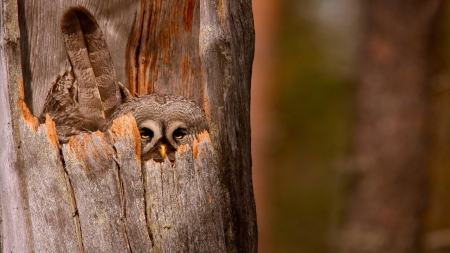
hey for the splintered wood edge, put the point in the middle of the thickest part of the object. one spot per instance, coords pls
(78, 149)
(204, 136)
(31, 121)
(51, 134)
(182, 148)
(123, 126)
(73, 146)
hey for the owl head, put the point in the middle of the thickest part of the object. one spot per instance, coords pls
(165, 122)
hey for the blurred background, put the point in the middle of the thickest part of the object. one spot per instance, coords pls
(314, 89)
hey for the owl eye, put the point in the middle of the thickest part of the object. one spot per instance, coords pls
(146, 133)
(179, 133)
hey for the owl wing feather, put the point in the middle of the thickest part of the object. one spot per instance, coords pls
(100, 59)
(61, 106)
(88, 93)
(98, 91)
(84, 97)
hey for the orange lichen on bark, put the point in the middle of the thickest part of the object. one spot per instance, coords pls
(204, 135)
(195, 148)
(92, 150)
(200, 138)
(123, 126)
(182, 149)
(51, 134)
(74, 148)
(87, 139)
(26, 114)
(78, 147)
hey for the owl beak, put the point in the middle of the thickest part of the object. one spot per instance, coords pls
(162, 149)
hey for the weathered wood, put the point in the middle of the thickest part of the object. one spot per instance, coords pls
(125, 134)
(49, 195)
(109, 202)
(32, 176)
(15, 218)
(182, 209)
(43, 45)
(226, 52)
(93, 175)
(163, 49)
(184, 202)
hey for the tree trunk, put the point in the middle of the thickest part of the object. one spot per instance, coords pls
(91, 195)
(385, 212)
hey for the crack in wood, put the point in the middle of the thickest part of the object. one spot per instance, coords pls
(75, 214)
(146, 206)
(123, 217)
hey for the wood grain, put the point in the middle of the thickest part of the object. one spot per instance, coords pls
(226, 52)
(184, 202)
(93, 175)
(43, 45)
(125, 134)
(208, 61)
(54, 228)
(163, 51)
(16, 223)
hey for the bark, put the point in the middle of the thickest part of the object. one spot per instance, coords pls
(386, 207)
(94, 194)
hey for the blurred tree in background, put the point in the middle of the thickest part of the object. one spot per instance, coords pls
(320, 59)
(437, 221)
(396, 65)
(306, 132)
(314, 113)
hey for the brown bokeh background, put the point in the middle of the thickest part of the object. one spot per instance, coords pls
(303, 90)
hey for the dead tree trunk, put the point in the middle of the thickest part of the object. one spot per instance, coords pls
(94, 196)
(385, 211)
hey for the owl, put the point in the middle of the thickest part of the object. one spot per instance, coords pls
(88, 96)
(165, 122)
